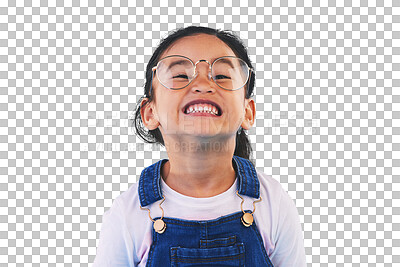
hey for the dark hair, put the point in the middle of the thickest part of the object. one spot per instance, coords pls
(243, 146)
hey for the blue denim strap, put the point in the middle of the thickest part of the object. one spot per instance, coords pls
(150, 184)
(248, 180)
(150, 180)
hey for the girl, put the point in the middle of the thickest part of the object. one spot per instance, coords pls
(206, 205)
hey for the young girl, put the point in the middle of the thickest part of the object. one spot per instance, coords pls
(206, 205)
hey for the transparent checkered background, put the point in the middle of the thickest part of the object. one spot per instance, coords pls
(327, 124)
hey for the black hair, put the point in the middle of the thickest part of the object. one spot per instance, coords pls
(243, 146)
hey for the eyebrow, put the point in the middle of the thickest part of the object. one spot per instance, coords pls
(177, 62)
(225, 60)
(182, 61)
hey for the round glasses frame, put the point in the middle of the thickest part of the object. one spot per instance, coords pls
(196, 73)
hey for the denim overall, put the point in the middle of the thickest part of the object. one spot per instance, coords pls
(224, 241)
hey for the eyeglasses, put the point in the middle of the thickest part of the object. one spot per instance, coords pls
(176, 72)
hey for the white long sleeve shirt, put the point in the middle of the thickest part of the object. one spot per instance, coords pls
(126, 233)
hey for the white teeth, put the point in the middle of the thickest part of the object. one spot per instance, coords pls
(202, 108)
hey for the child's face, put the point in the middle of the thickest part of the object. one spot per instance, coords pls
(167, 111)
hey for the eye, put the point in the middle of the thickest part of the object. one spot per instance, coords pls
(180, 76)
(220, 76)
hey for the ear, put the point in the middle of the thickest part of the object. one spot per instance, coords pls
(149, 116)
(250, 114)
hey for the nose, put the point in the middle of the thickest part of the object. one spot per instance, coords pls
(202, 80)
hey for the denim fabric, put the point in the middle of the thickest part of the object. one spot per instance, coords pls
(224, 241)
(150, 180)
(221, 242)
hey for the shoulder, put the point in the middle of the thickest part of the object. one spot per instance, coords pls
(280, 206)
(271, 189)
(269, 186)
(122, 205)
(130, 198)
(124, 209)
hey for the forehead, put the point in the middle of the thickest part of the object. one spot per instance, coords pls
(199, 46)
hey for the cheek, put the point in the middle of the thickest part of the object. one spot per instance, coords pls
(239, 111)
(167, 103)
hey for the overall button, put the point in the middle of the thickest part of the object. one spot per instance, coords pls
(247, 219)
(159, 226)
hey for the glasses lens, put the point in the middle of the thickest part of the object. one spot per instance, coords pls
(230, 73)
(175, 72)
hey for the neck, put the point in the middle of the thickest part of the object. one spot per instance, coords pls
(199, 169)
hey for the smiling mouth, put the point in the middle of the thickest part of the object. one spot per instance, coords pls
(202, 107)
(203, 110)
